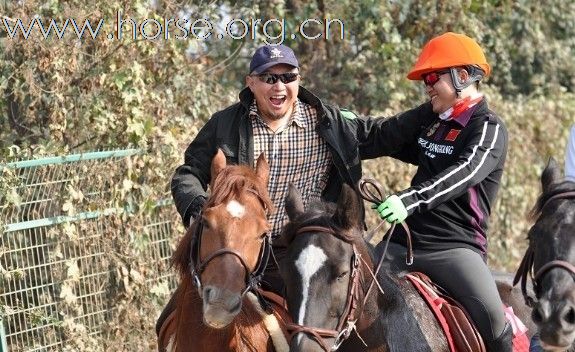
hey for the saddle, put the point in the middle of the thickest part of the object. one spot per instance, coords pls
(277, 325)
(459, 329)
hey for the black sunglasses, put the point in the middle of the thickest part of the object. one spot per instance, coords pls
(272, 78)
(433, 77)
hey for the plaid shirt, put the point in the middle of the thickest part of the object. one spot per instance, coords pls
(295, 154)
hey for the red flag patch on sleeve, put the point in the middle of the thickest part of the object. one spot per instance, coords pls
(452, 135)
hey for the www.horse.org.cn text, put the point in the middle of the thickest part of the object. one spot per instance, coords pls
(123, 27)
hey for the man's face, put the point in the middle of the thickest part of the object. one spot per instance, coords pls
(274, 100)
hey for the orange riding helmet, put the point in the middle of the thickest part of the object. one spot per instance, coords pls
(446, 51)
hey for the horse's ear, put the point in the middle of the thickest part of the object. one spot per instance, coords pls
(550, 175)
(348, 212)
(262, 168)
(293, 202)
(218, 164)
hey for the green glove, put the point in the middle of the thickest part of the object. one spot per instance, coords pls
(392, 210)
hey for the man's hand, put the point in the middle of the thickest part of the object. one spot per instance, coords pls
(392, 210)
(194, 209)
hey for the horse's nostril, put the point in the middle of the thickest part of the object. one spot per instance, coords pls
(237, 306)
(569, 316)
(207, 294)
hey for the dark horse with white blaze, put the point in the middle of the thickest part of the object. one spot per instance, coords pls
(328, 271)
(221, 259)
(550, 262)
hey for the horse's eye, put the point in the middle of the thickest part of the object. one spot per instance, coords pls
(205, 223)
(342, 276)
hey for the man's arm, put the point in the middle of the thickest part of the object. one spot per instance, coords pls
(190, 181)
(394, 136)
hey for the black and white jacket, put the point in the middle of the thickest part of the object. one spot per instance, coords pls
(460, 164)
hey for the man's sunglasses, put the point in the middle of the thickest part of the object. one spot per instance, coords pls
(272, 78)
(433, 77)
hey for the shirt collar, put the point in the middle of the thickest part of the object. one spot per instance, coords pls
(298, 115)
(461, 112)
(465, 116)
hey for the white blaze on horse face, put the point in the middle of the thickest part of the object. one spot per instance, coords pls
(235, 209)
(310, 260)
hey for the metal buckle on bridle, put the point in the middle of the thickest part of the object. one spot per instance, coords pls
(343, 334)
(356, 263)
(196, 279)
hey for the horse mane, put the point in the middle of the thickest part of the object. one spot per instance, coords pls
(181, 257)
(230, 183)
(558, 188)
(234, 180)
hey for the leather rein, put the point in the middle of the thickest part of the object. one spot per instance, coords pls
(526, 268)
(252, 278)
(371, 191)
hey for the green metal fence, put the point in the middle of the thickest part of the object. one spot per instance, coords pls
(62, 223)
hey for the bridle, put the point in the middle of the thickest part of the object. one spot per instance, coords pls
(526, 268)
(371, 191)
(352, 310)
(252, 278)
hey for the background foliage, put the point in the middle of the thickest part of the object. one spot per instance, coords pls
(68, 95)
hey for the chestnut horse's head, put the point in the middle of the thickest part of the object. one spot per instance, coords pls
(225, 250)
(550, 261)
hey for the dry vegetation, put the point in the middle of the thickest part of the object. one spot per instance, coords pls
(65, 96)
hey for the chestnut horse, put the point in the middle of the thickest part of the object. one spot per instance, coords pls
(328, 271)
(221, 260)
(550, 262)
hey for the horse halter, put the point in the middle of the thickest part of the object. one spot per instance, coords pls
(347, 321)
(526, 267)
(252, 279)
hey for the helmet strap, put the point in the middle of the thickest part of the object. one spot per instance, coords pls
(458, 85)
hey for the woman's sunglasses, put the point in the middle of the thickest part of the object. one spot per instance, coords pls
(272, 78)
(433, 77)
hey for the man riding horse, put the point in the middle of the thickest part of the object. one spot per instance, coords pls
(305, 141)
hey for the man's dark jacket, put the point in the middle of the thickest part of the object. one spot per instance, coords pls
(231, 131)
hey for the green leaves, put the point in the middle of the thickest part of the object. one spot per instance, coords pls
(120, 80)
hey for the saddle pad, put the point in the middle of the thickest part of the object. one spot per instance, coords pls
(435, 299)
(521, 343)
(275, 322)
(461, 334)
(520, 339)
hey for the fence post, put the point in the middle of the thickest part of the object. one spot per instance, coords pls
(3, 344)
